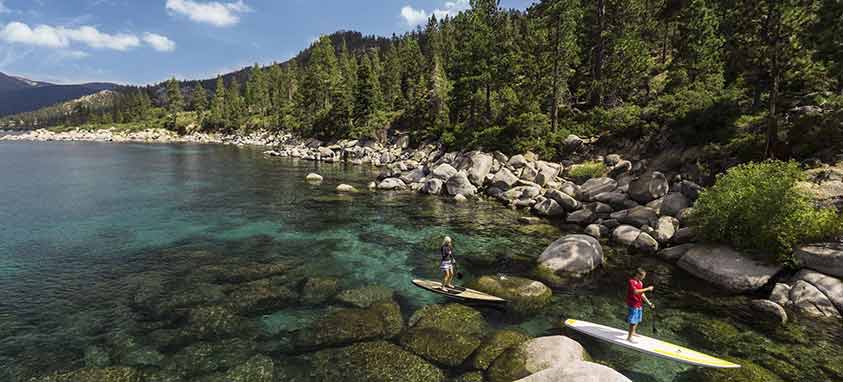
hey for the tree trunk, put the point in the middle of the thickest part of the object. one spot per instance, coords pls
(555, 107)
(597, 65)
(773, 123)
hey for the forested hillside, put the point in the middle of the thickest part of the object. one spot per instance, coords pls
(745, 78)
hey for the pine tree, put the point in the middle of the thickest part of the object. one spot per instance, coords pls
(391, 79)
(235, 107)
(175, 101)
(257, 91)
(368, 99)
(560, 21)
(199, 99)
(217, 118)
(322, 87)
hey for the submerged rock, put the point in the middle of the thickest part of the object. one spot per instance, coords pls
(212, 322)
(439, 346)
(524, 295)
(366, 296)
(450, 317)
(257, 369)
(494, 345)
(533, 356)
(317, 290)
(749, 372)
(572, 255)
(346, 326)
(107, 374)
(204, 357)
(577, 371)
(262, 296)
(372, 362)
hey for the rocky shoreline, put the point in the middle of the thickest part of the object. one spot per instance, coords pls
(627, 205)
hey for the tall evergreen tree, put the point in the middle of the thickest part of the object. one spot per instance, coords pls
(235, 107)
(199, 99)
(175, 101)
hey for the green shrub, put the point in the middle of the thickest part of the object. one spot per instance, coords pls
(757, 207)
(587, 170)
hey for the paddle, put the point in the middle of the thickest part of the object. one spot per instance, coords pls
(459, 274)
(655, 330)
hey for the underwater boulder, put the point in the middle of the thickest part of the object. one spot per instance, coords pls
(317, 290)
(749, 372)
(366, 296)
(106, 374)
(525, 296)
(346, 326)
(449, 349)
(372, 362)
(208, 357)
(257, 369)
(494, 345)
(262, 296)
(454, 318)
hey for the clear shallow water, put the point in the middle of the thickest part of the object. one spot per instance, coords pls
(82, 222)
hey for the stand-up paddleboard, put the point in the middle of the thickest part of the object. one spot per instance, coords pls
(649, 345)
(459, 293)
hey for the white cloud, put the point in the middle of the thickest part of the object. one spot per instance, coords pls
(414, 17)
(213, 12)
(61, 37)
(159, 42)
(95, 39)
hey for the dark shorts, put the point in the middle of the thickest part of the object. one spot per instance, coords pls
(634, 316)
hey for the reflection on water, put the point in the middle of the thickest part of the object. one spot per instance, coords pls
(183, 261)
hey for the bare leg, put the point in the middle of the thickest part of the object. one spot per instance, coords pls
(444, 279)
(631, 333)
(450, 277)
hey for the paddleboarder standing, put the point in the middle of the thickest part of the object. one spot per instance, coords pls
(446, 264)
(635, 298)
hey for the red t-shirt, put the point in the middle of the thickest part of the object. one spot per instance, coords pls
(634, 300)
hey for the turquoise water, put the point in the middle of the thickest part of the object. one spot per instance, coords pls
(83, 222)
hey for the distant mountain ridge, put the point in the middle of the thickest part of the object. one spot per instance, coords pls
(20, 95)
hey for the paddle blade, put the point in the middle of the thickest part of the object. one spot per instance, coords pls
(459, 275)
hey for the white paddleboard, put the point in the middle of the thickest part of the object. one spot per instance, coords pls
(649, 345)
(458, 293)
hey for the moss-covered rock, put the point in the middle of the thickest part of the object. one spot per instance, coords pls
(711, 334)
(372, 362)
(366, 296)
(317, 290)
(214, 322)
(449, 349)
(749, 372)
(235, 274)
(474, 376)
(454, 318)
(347, 326)
(95, 357)
(525, 296)
(533, 356)
(107, 374)
(495, 344)
(262, 296)
(257, 369)
(206, 357)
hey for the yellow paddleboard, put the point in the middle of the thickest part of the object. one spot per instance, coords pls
(649, 345)
(458, 293)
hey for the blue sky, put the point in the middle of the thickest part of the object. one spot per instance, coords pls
(147, 41)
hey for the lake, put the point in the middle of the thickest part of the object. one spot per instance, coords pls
(109, 255)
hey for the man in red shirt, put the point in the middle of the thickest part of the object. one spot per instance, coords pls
(634, 298)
